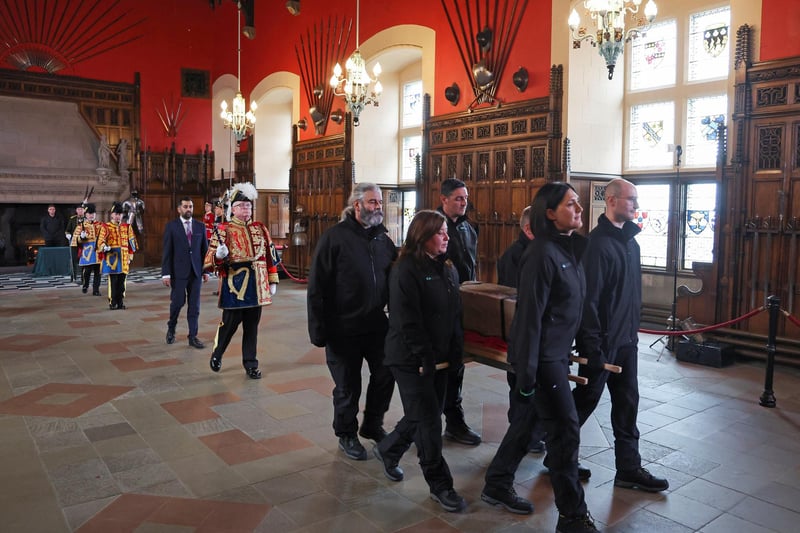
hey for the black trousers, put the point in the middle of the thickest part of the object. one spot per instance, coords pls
(624, 391)
(182, 290)
(422, 398)
(553, 403)
(75, 254)
(116, 289)
(345, 356)
(453, 412)
(249, 318)
(537, 431)
(86, 274)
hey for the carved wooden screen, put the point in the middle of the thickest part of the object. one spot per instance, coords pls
(503, 155)
(767, 169)
(320, 182)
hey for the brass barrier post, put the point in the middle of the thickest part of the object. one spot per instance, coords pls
(768, 396)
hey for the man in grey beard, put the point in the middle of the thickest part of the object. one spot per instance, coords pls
(347, 293)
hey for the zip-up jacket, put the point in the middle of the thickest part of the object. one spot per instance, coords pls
(424, 314)
(462, 249)
(612, 310)
(550, 296)
(348, 281)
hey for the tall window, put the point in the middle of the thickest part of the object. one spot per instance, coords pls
(677, 95)
(410, 125)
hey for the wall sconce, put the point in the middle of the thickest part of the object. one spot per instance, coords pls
(520, 79)
(302, 124)
(337, 116)
(452, 93)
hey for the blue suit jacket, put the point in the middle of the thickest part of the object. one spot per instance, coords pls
(178, 259)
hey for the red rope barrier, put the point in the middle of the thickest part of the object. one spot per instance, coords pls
(298, 280)
(792, 319)
(752, 313)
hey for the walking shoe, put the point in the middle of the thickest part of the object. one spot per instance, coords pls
(215, 363)
(575, 524)
(462, 433)
(641, 479)
(253, 373)
(390, 470)
(170, 336)
(84, 290)
(352, 448)
(376, 433)
(95, 293)
(583, 473)
(537, 446)
(507, 498)
(449, 500)
(194, 342)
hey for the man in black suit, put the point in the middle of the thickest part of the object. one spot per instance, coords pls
(185, 246)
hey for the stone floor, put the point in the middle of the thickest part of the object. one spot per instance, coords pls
(104, 427)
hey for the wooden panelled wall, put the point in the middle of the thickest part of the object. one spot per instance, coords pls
(759, 216)
(503, 155)
(320, 182)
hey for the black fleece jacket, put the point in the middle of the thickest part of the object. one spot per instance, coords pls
(348, 282)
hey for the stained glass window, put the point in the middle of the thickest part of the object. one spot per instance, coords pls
(703, 116)
(653, 217)
(651, 129)
(654, 57)
(412, 104)
(701, 203)
(412, 147)
(709, 44)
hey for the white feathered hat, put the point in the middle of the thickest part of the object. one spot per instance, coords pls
(241, 192)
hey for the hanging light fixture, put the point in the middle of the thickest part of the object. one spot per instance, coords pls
(355, 85)
(240, 122)
(609, 19)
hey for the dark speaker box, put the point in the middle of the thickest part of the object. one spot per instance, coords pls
(715, 354)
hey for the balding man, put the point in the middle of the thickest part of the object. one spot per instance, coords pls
(609, 330)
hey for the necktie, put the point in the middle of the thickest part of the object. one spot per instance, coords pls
(189, 231)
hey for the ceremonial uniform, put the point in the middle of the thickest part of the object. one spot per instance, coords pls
(84, 239)
(73, 222)
(116, 244)
(248, 268)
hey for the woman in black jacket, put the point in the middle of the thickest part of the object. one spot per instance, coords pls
(552, 287)
(424, 342)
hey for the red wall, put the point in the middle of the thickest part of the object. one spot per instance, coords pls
(780, 29)
(180, 33)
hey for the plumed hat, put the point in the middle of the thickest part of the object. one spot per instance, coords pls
(116, 208)
(81, 205)
(242, 192)
(90, 208)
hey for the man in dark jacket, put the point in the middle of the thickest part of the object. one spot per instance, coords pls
(52, 227)
(507, 274)
(609, 330)
(462, 250)
(347, 293)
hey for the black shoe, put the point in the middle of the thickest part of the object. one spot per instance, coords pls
(215, 363)
(449, 500)
(84, 290)
(640, 479)
(537, 446)
(215, 293)
(121, 306)
(583, 473)
(170, 336)
(95, 293)
(575, 524)
(462, 433)
(507, 498)
(253, 373)
(194, 342)
(112, 306)
(391, 471)
(352, 448)
(375, 433)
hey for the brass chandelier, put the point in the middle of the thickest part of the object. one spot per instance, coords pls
(240, 121)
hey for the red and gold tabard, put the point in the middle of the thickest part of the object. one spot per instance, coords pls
(87, 246)
(122, 241)
(249, 268)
